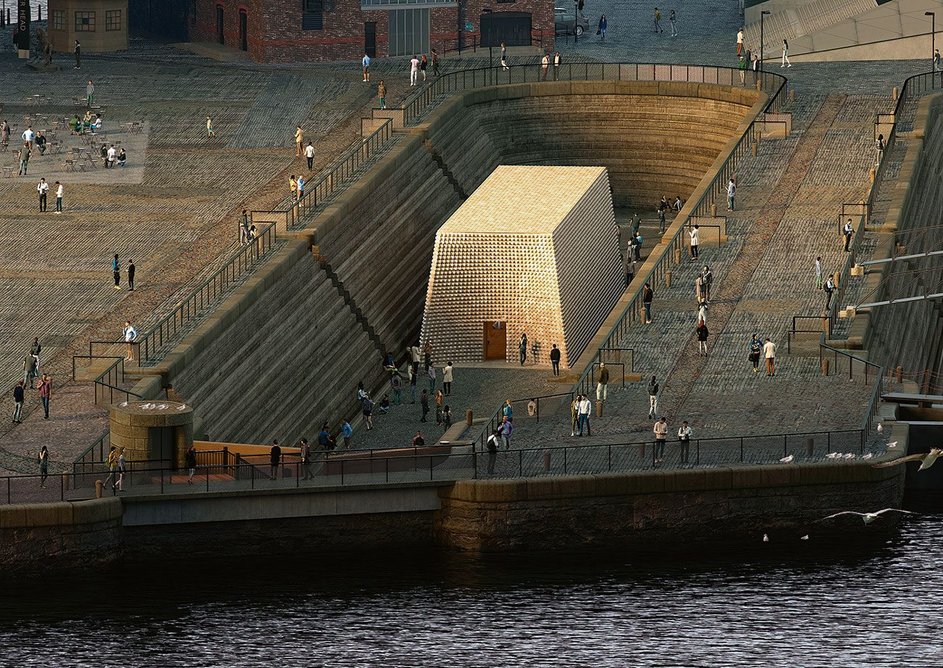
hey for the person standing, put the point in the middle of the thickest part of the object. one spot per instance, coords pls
(647, 296)
(367, 409)
(299, 138)
(936, 60)
(423, 66)
(556, 65)
(555, 359)
(131, 270)
(699, 289)
(210, 132)
(29, 371)
(695, 235)
(731, 193)
(18, 396)
(671, 20)
(191, 463)
(45, 394)
(785, 62)
(575, 413)
(769, 352)
(755, 349)
(424, 405)
(413, 380)
(740, 42)
(89, 93)
(818, 272)
(742, 66)
(43, 466)
(77, 50)
(603, 24)
(544, 66)
(507, 411)
(447, 379)
(35, 350)
(59, 191)
(584, 411)
(848, 230)
(602, 388)
(306, 462)
(661, 435)
(507, 427)
(658, 28)
(396, 384)
(702, 333)
(684, 438)
(244, 224)
(504, 57)
(522, 348)
(492, 447)
(116, 272)
(24, 159)
(275, 458)
(112, 464)
(879, 146)
(413, 70)
(435, 63)
(347, 432)
(381, 94)
(42, 188)
(707, 278)
(430, 374)
(300, 184)
(829, 289)
(130, 336)
(652, 398)
(365, 64)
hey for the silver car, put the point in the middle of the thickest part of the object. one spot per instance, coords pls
(568, 22)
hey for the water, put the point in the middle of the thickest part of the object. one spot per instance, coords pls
(780, 605)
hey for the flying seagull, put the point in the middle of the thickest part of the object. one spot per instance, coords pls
(892, 445)
(786, 460)
(868, 517)
(926, 459)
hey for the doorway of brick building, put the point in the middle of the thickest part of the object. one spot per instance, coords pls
(496, 340)
(409, 32)
(370, 38)
(220, 36)
(243, 30)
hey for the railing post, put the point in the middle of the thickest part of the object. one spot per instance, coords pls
(741, 449)
(520, 463)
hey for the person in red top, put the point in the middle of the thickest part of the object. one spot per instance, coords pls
(45, 393)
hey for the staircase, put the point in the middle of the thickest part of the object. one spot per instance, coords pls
(430, 149)
(358, 314)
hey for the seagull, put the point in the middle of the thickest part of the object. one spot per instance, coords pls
(786, 460)
(892, 445)
(880, 427)
(850, 455)
(806, 537)
(926, 459)
(868, 517)
(765, 538)
(868, 456)
(833, 455)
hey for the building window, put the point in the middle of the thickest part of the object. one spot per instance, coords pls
(58, 19)
(312, 14)
(85, 22)
(113, 19)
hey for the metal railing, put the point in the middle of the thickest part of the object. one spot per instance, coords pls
(841, 362)
(109, 382)
(418, 103)
(92, 455)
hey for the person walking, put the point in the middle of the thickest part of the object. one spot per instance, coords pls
(366, 407)
(602, 388)
(506, 410)
(42, 188)
(492, 446)
(423, 66)
(35, 350)
(936, 60)
(504, 57)
(847, 231)
(555, 359)
(18, 397)
(25, 154)
(829, 289)
(702, 333)
(45, 393)
(299, 138)
(275, 458)
(652, 397)
(190, 458)
(740, 42)
(43, 466)
(879, 147)
(647, 296)
(447, 379)
(365, 65)
(661, 435)
(769, 353)
(707, 278)
(112, 464)
(59, 192)
(544, 66)
(306, 463)
(116, 272)
(413, 70)
(29, 371)
(435, 63)
(672, 18)
(584, 410)
(556, 65)
(424, 405)
(731, 193)
(755, 349)
(603, 24)
(507, 427)
(300, 185)
(89, 93)
(396, 384)
(684, 440)
(785, 62)
(575, 413)
(413, 379)
(77, 50)
(130, 335)
(210, 132)
(347, 432)
(818, 272)
(522, 348)
(131, 271)
(381, 96)
(431, 375)
(658, 28)
(695, 234)
(699, 289)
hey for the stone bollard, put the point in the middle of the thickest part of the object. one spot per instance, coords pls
(468, 417)
(668, 274)
(899, 374)
(792, 95)
(98, 489)
(546, 460)
(713, 209)
(894, 94)
(809, 447)
(824, 367)
(871, 173)
(756, 148)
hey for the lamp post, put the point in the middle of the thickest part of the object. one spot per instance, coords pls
(932, 16)
(762, 14)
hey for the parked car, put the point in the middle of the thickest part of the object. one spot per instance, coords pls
(567, 21)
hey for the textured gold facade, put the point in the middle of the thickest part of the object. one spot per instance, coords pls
(535, 248)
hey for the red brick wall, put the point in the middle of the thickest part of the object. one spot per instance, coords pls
(275, 33)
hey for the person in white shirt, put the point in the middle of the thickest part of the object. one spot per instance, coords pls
(661, 434)
(111, 155)
(309, 155)
(28, 137)
(130, 336)
(848, 231)
(731, 192)
(684, 436)
(366, 67)
(413, 70)
(695, 241)
(769, 352)
(818, 273)
(42, 188)
(59, 191)
(786, 62)
(544, 66)
(584, 410)
(740, 41)
(447, 379)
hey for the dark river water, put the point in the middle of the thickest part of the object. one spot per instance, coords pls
(802, 604)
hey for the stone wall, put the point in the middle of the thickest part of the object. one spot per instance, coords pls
(60, 535)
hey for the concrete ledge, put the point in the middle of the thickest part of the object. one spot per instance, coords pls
(61, 514)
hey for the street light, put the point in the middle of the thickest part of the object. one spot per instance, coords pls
(762, 14)
(932, 16)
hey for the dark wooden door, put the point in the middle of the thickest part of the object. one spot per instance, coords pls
(370, 39)
(243, 30)
(220, 36)
(496, 340)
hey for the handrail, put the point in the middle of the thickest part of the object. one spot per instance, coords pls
(870, 368)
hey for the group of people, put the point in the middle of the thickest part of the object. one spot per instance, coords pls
(418, 66)
(744, 56)
(86, 124)
(31, 371)
(501, 435)
(112, 156)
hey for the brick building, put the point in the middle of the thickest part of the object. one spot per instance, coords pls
(303, 30)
